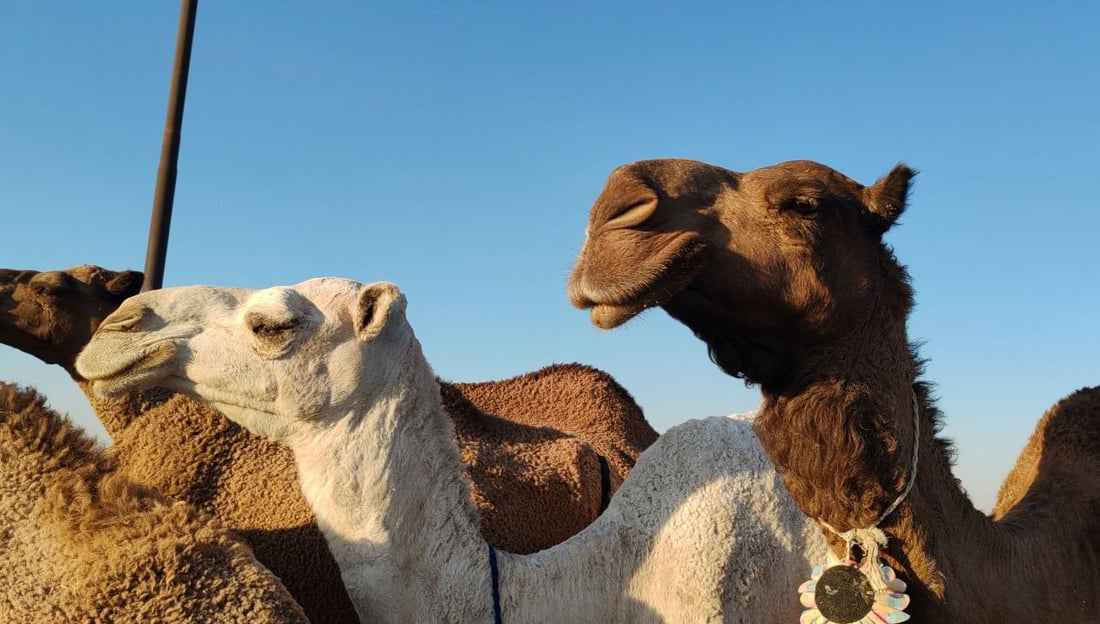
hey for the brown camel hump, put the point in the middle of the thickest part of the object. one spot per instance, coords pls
(1066, 436)
(574, 429)
(573, 399)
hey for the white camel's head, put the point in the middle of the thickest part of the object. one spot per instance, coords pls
(269, 359)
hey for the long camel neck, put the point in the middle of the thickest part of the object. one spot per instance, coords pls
(388, 490)
(391, 495)
(843, 440)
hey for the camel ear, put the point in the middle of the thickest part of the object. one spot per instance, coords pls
(886, 198)
(125, 284)
(379, 304)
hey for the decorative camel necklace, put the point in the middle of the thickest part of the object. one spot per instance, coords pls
(864, 591)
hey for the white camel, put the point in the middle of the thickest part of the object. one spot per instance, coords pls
(702, 530)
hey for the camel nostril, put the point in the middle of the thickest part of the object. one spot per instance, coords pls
(633, 214)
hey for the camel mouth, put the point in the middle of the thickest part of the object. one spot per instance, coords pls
(111, 379)
(680, 262)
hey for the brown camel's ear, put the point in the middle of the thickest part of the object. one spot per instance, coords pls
(125, 284)
(886, 198)
(380, 304)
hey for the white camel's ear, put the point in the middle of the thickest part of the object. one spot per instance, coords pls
(887, 197)
(379, 304)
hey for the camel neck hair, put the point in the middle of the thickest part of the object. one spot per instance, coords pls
(390, 494)
(842, 438)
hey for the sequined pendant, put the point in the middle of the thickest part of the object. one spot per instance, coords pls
(847, 593)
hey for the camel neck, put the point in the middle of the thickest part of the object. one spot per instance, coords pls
(843, 439)
(390, 494)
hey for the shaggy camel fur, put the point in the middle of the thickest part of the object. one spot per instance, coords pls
(534, 483)
(619, 434)
(782, 271)
(700, 531)
(80, 543)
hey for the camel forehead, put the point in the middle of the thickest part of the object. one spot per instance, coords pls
(201, 300)
(806, 172)
(309, 298)
(324, 291)
(305, 299)
(184, 301)
(672, 174)
(89, 273)
(274, 300)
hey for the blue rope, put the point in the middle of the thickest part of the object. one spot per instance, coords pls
(494, 571)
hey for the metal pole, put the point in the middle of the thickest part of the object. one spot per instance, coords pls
(169, 153)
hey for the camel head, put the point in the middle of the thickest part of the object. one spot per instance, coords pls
(761, 265)
(52, 314)
(271, 360)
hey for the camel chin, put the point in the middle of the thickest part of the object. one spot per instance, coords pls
(610, 316)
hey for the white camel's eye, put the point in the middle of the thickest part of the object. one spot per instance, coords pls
(270, 329)
(265, 329)
(272, 338)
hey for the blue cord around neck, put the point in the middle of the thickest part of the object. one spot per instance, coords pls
(494, 571)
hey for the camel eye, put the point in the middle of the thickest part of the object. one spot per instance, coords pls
(806, 206)
(50, 288)
(269, 329)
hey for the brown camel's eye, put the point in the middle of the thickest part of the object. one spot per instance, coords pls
(49, 288)
(806, 206)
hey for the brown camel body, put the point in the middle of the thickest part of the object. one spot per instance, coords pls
(536, 468)
(782, 272)
(82, 543)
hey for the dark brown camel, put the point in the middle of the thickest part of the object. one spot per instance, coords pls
(783, 273)
(534, 459)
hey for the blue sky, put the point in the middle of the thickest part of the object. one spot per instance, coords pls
(455, 150)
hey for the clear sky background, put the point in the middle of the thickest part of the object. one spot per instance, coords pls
(455, 148)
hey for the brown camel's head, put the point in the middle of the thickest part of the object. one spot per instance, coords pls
(52, 314)
(760, 265)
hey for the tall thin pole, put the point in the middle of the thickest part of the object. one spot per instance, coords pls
(157, 250)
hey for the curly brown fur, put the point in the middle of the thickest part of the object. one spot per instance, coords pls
(81, 543)
(563, 397)
(793, 289)
(538, 478)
